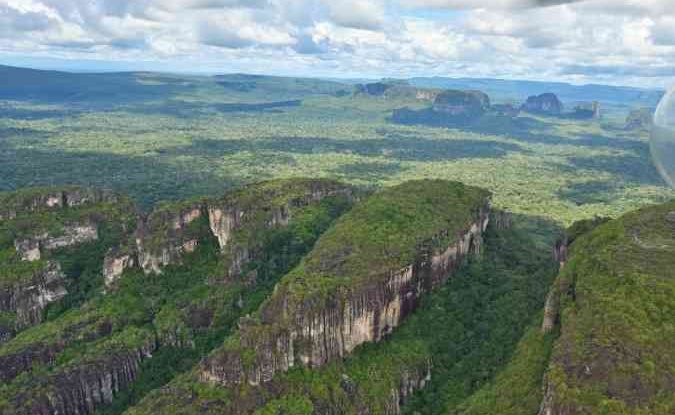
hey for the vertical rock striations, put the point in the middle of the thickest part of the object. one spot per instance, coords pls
(237, 219)
(34, 225)
(167, 234)
(363, 277)
(79, 361)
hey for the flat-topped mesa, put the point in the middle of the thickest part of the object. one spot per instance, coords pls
(364, 276)
(236, 219)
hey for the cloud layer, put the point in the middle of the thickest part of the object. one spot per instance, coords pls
(631, 41)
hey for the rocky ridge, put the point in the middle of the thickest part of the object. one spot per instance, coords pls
(308, 325)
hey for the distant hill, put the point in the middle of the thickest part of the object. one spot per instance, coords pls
(121, 88)
(506, 90)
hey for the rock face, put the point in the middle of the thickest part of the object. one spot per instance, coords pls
(165, 236)
(44, 200)
(83, 389)
(544, 104)
(318, 328)
(230, 215)
(114, 265)
(587, 111)
(505, 110)
(469, 104)
(32, 249)
(28, 299)
(640, 119)
(410, 382)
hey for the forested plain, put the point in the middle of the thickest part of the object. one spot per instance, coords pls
(169, 140)
(163, 137)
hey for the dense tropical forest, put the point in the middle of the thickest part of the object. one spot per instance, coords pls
(244, 244)
(164, 137)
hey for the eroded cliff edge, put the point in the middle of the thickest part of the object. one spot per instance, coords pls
(174, 304)
(38, 229)
(616, 307)
(365, 275)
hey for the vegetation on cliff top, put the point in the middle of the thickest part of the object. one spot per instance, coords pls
(384, 233)
(616, 352)
(467, 331)
(188, 309)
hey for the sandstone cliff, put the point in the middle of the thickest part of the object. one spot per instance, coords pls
(38, 223)
(544, 104)
(80, 361)
(238, 218)
(328, 306)
(167, 234)
(13, 204)
(83, 388)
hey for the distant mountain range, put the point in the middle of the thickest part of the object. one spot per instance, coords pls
(31, 84)
(505, 90)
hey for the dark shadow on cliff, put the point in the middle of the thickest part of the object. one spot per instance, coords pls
(472, 326)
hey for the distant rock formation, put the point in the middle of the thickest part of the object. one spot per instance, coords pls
(376, 89)
(587, 111)
(544, 104)
(505, 110)
(640, 119)
(462, 103)
(450, 108)
(396, 90)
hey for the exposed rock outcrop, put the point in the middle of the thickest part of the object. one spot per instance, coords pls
(640, 119)
(235, 212)
(13, 364)
(544, 104)
(27, 299)
(43, 200)
(505, 110)
(166, 235)
(587, 111)
(410, 382)
(318, 329)
(85, 388)
(33, 248)
(468, 104)
(115, 263)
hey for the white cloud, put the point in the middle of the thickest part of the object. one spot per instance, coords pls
(616, 41)
(357, 14)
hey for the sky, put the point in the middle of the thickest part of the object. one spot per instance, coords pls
(623, 42)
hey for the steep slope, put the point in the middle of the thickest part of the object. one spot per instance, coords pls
(611, 309)
(616, 351)
(171, 312)
(43, 233)
(362, 279)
